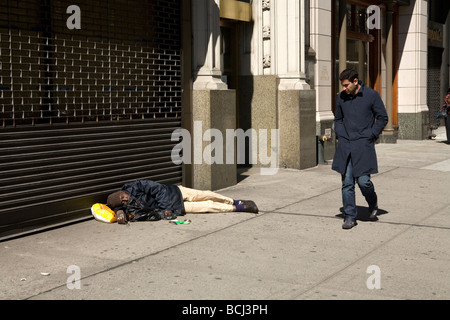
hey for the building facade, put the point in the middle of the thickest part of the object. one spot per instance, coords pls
(285, 57)
(94, 95)
(402, 53)
(249, 73)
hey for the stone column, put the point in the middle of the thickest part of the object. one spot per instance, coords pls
(296, 100)
(342, 35)
(206, 45)
(413, 113)
(213, 105)
(388, 132)
(289, 38)
(321, 42)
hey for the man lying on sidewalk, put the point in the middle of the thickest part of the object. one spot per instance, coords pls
(147, 200)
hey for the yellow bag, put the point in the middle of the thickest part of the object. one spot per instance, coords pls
(103, 213)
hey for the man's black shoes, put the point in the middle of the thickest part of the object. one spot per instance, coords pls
(373, 210)
(250, 206)
(348, 224)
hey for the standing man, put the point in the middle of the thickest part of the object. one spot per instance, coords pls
(359, 119)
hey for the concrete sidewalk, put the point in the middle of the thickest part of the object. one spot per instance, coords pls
(294, 249)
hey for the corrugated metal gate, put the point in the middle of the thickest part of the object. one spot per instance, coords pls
(84, 110)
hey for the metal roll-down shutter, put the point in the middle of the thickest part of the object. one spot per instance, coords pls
(84, 110)
(49, 176)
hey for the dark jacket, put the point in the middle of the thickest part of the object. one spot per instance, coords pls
(147, 194)
(357, 130)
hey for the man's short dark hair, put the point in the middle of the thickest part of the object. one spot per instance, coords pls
(348, 74)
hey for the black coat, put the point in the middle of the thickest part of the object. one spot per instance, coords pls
(149, 194)
(357, 130)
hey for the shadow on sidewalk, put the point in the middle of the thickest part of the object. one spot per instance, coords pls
(363, 213)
